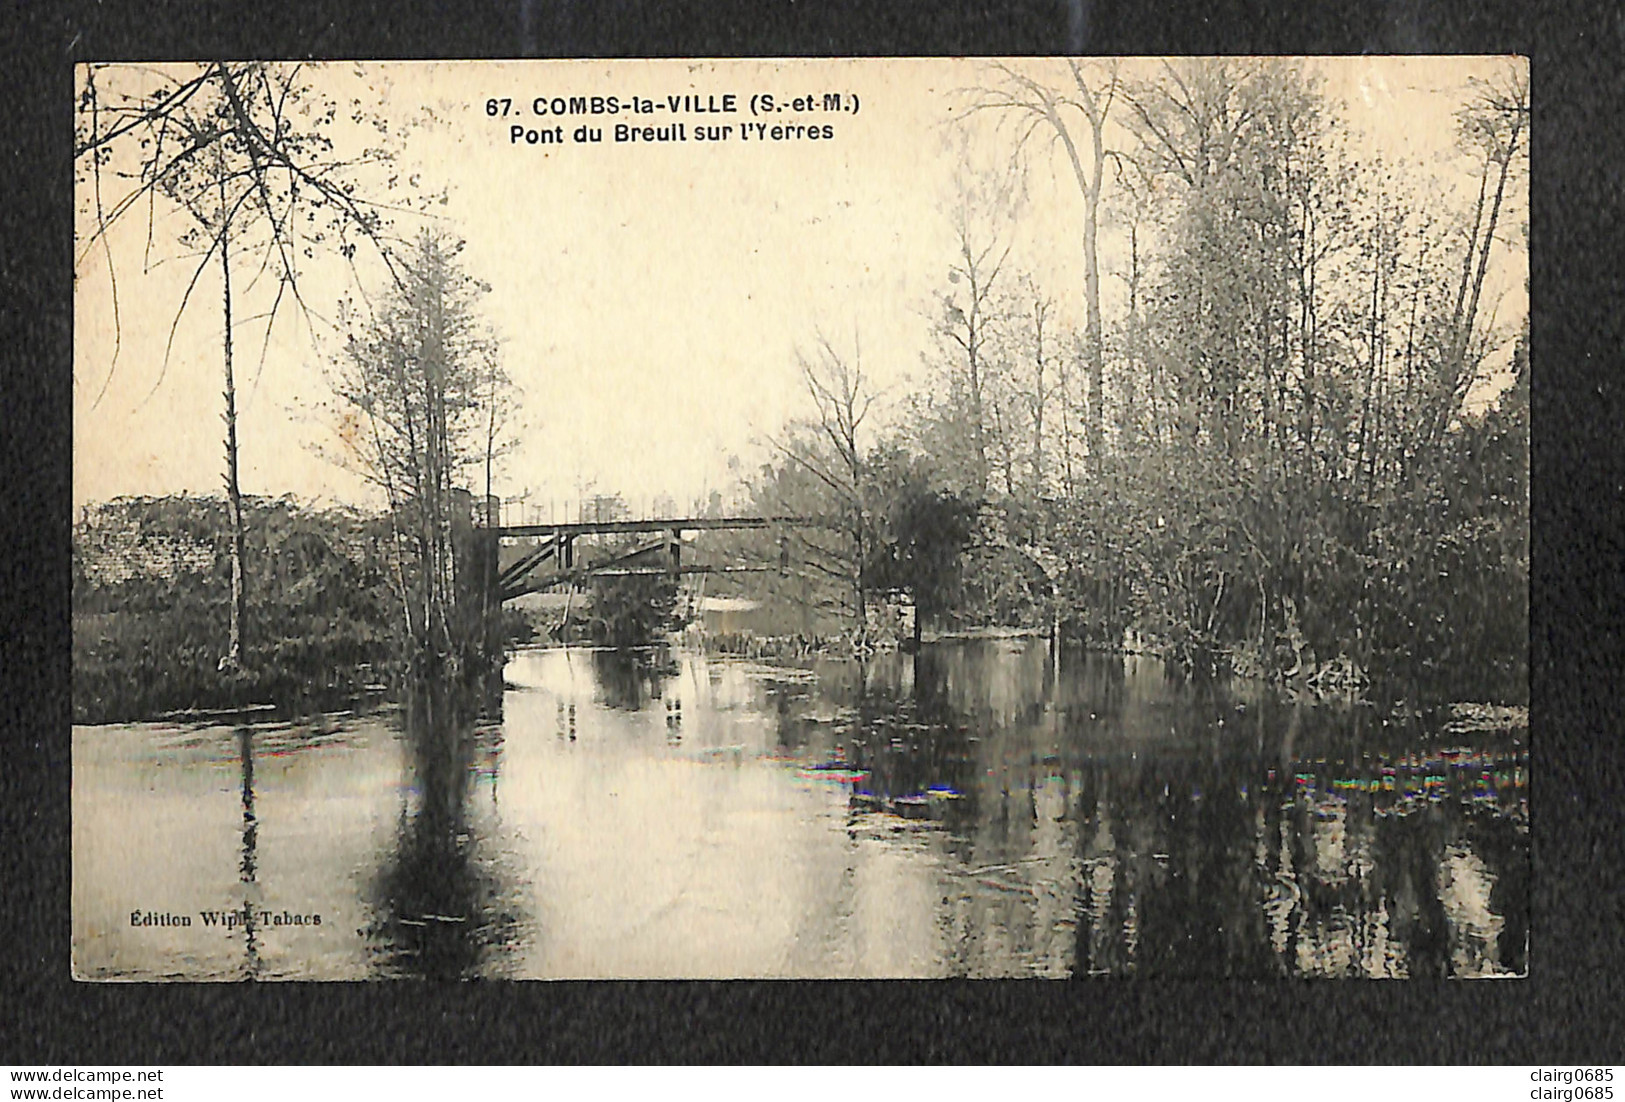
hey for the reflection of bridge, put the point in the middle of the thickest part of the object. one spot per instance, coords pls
(555, 561)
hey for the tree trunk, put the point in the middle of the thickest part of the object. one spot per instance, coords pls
(973, 362)
(1308, 338)
(1039, 397)
(1090, 184)
(1066, 423)
(234, 497)
(1363, 457)
(1478, 252)
(1093, 351)
(1136, 357)
(488, 555)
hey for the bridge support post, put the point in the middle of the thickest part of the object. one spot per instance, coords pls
(486, 548)
(474, 555)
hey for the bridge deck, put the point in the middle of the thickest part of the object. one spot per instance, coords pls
(680, 524)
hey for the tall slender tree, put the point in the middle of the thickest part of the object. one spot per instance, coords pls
(1074, 113)
(244, 150)
(421, 370)
(969, 316)
(1494, 127)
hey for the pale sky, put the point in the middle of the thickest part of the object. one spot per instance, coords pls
(650, 299)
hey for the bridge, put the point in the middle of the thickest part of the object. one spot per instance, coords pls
(554, 560)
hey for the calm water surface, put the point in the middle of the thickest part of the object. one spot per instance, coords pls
(979, 811)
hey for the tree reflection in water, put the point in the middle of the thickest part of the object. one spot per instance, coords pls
(994, 814)
(1112, 821)
(247, 866)
(627, 678)
(444, 905)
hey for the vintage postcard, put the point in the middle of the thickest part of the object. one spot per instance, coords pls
(818, 518)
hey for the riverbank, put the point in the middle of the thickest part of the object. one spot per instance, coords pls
(130, 666)
(967, 634)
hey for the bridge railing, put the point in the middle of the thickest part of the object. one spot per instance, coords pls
(572, 529)
(529, 512)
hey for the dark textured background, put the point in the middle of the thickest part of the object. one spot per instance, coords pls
(1572, 1009)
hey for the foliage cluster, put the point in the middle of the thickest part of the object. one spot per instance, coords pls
(632, 610)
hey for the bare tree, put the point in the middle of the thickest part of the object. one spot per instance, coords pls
(244, 150)
(969, 317)
(842, 400)
(421, 370)
(1074, 115)
(1493, 126)
(1033, 374)
(825, 475)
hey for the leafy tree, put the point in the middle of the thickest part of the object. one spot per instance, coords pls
(632, 610)
(922, 532)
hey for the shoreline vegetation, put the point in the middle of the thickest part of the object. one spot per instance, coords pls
(150, 615)
(150, 612)
(151, 608)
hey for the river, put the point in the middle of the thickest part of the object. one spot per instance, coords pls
(977, 810)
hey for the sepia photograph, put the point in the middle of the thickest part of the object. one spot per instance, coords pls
(801, 519)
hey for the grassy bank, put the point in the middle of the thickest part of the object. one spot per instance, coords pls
(151, 585)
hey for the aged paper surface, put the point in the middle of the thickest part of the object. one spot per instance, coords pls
(837, 475)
